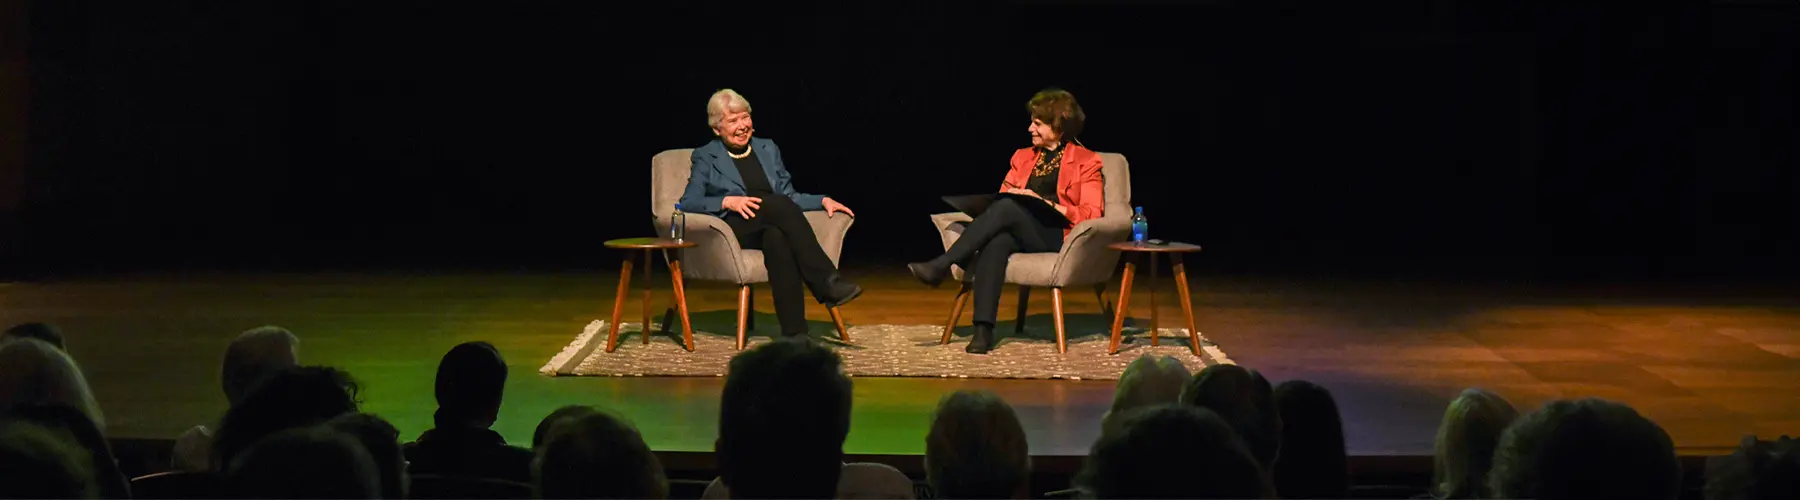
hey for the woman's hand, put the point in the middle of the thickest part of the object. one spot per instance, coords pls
(745, 206)
(832, 207)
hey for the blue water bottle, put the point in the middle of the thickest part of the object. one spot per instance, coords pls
(678, 224)
(1140, 227)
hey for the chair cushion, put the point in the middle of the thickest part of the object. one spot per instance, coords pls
(1029, 269)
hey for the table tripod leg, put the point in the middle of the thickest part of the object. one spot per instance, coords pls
(612, 335)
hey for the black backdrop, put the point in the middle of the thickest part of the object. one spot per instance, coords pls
(1522, 139)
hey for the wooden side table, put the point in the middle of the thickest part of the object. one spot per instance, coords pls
(649, 246)
(1174, 251)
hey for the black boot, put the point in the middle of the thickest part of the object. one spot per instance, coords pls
(839, 291)
(982, 340)
(929, 272)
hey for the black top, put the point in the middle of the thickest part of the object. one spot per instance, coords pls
(1043, 175)
(756, 183)
(468, 453)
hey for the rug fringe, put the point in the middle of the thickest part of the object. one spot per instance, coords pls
(1213, 351)
(587, 334)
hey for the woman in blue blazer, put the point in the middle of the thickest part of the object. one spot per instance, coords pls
(741, 179)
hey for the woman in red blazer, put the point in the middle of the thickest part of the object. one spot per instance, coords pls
(1057, 170)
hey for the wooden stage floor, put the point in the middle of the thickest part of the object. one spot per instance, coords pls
(1710, 365)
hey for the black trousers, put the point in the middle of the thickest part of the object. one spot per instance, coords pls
(792, 254)
(1006, 228)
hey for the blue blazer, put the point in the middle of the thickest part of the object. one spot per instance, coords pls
(715, 176)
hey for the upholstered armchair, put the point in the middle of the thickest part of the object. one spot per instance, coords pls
(718, 256)
(1083, 262)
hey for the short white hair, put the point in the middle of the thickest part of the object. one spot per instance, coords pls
(722, 102)
(256, 354)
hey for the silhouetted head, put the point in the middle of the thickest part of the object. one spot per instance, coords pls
(1758, 470)
(1147, 381)
(562, 415)
(598, 455)
(33, 372)
(1313, 463)
(782, 422)
(378, 437)
(1243, 397)
(471, 381)
(976, 448)
(1171, 451)
(1581, 449)
(1466, 440)
(255, 355)
(295, 397)
(41, 331)
(304, 463)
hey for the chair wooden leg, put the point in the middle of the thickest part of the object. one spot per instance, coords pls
(612, 335)
(1024, 305)
(750, 323)
(743, 310)
(1118, 325)
(687, 329)
(645, 331)
(956, 307)
(837, 319)
(1056, 309)
(1187, 304)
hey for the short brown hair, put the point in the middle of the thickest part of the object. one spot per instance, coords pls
(976, 448)
(1058, 108)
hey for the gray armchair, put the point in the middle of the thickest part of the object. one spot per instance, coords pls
(1083, 261)
(719, 257)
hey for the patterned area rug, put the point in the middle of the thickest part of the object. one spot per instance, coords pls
(881, 351)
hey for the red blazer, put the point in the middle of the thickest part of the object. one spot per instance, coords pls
(1079, 184)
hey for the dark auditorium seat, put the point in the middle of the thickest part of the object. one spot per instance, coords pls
(176, 485)
(687, 488)
(432, 486)
(1385, 492)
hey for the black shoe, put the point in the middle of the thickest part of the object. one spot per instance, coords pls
(982, 341)
(796, 337)
(840, 292)
(930, 274)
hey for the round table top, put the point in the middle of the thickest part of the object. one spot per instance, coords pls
(1169, 247)
(650, 243)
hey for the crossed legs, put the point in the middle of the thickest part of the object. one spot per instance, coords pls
(984, 248)
(794, 259)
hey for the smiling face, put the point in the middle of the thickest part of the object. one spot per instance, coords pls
(735, 128)
(1043, 135)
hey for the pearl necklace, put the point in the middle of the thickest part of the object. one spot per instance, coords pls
(736, 156)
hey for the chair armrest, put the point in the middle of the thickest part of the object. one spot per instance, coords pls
(716, 257)
(1084, 258)
(831, 231)
(946, 225)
